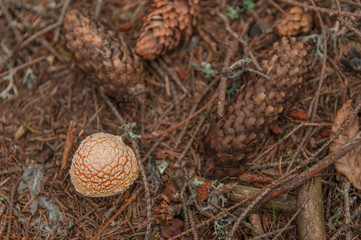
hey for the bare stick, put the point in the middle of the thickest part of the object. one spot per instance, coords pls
(26, 42)
(261, 193)
(25, 65)
(343, 22)
(182, 122)
(10, 21)
(98, 8)
(356, 213)
(292, 219)
(112, 107)
(70, 136)
(291, 182)
(172, 76)
(38, 34)
(339, 131)
(346, 199)
(276, 6)
(319, 166)
(314, 103)
(131, 199)
(323, 10)
(194, 108)
(10, 215)
(186, 149)
(267, 235)
(310, 221)
(223, 84)
(60, 20)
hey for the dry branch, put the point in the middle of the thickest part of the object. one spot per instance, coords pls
(242, 192)
(310, 221)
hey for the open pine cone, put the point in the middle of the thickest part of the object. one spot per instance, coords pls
(293, 22)
(169, 24)
(106, 57)
(259, 102)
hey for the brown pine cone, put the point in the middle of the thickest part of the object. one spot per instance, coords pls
(162, 211)
(259, 102)
(293, 22)
(169, 24)
(108, 59)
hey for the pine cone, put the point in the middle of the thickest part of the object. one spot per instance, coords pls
(169, 24)
(107, 57)
(259, 102)
(293, 22)
(162, 212)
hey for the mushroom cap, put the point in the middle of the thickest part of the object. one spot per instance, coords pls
(103, 165)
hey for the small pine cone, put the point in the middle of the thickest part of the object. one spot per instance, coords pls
(203, 191)
(258, 103)
(293, 22)
(162, 212)
(169, 24)
(114, 67)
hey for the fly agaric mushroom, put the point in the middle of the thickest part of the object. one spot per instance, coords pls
(103, 165)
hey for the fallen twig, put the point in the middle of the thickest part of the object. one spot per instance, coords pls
(323, 10)
(131, 199)
(182, 122)
(70, 136)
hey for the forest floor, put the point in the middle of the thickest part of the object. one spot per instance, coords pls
(42, 91)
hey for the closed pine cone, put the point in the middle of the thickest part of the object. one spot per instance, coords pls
(293, 22)
(169, 24)
(258, 103)
(106, 57)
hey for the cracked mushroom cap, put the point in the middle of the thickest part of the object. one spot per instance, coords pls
(103, 165)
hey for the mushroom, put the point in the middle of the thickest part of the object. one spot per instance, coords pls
(103, 165)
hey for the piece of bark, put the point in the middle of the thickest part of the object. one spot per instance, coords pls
(310, 221)
(256, 222)
(242, 192)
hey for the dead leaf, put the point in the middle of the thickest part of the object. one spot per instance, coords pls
(325, 133)
(276, 129)
(252, 178)
(299, 115)
(356, 228)
(171, 191)
(175, 228)
(125, 27)
(43, 155)
(350, 164)
(182, 74)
